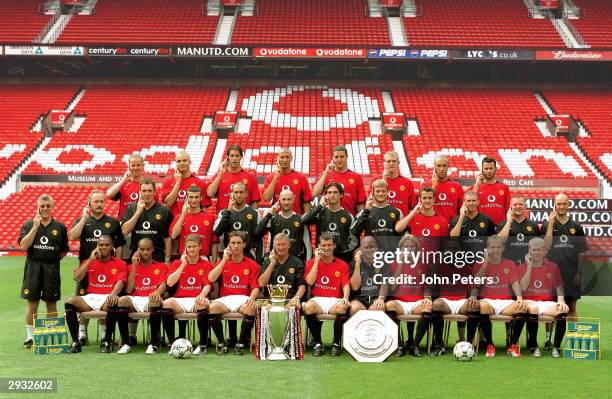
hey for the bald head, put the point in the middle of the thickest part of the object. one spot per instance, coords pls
(441, 167)
(562, 205)
(183, 163)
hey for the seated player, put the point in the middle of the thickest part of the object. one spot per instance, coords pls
(107, 276)
(540, 281)
(146, 283)
(410, 298)
(366, 293)
(190, 276)
(496, 292)
(329, 278)
(238, 291)
(280, 267)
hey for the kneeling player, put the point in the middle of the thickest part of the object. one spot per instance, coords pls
(237, 293)
(497, 290)
(411, 297)
(146, 283)
(107, 276)
(367, 293)
(190, 275)
(540, 281)
(329, 278)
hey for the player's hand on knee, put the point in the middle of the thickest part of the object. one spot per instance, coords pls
(201, 300)
(562, 307)
(154, 297)
(112, 300)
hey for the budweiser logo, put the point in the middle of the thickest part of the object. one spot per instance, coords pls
(575, 55)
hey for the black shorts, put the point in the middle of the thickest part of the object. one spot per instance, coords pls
(41, 281)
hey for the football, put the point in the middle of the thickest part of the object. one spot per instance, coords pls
(464, 351)
(181, 349)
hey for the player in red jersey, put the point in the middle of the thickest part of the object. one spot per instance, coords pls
(423, 222)
(194, 220)
(541, 282)
(410, 295)
(127, 190)
(401, 190)
(285, 178)
(231, 172)
(146, 283)
(329, 278)
(190, 276)
(107, 277)
(448, 193)
(238, 291)
(493, 196)
(174, 188)
(500, 282)
(354, 197)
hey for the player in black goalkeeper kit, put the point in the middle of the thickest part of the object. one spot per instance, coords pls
(240, 217)
(330, 218)
(280, 267)
(517, 230)
(282, 219)
(368, 290)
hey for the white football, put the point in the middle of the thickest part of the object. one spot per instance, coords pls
(463, 351)
(181, 349)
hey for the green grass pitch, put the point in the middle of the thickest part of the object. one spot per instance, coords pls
(93, 375)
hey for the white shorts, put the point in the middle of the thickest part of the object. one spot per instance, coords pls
(408, 306)
(499, 304)
(232, 302)
(95, 301)
(543, 305)
(325, 302)
(454, 305)
(140, 303)
(187, 304)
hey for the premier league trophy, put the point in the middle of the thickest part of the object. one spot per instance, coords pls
(278, 333)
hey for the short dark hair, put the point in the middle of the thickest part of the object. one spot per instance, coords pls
(234, 147)
(327, 237)
(105, 237)
(194, 189)
(337, 185)
(488, 160)
(192, 237)
(237, 233)
(341, 148)
(147, 180)
(426, 190)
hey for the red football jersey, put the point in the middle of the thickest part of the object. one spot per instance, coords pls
(193, 278)
(543, 283)
(225, 188)
(129, 194)
(294, 181)
(494, 201)
(238, 278)
(354, 190)
(331, 277)
(181, 198)
(504, 275)
(401, 194)
(448, 199)
(148, 278)
(428, 226)
(102, 276)
(411, 292)
(200, 224)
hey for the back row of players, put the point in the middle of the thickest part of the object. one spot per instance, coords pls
(343, 214)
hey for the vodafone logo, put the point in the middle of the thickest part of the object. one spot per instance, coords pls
(101, 278)
(425, 232)
(226, 118)
(472, 233)
(382, 223)
(146, 225)
(182, 193)
(97, 233)
(520, 237)
(491, 198)
(495, 280)
(146, 281)
(442, 197)
(44, 240)
(537, 283)
(134, 196)
(393, 120)
(191, 280)
(286, 188)
(333, 226)
(392, 194)
(237, 225)
(369, 281)
(359, 108)
(563, 238)
(193, 228)
(286, 232)
(280, 280)
(235, 279)
(325, 280)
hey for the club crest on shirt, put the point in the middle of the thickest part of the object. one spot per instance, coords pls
(245, 181)
(572, 230)
(156, 272)
(436, 226)
(291, 270)
(246, 272)
(482, 225)
(81, 291)
(351, 181)
(54, 232)
(529, 229)
(337, 274)
(249, 216)
(296, 224)
(506, 270)
(295, 181)
(343, 219)
(192, 185)
(113, 271)
(26, 291)
(452, 190)
(549, 275)
(501, 192)
(201, 272)
(206, 223)
(107, 225)
(402, 188)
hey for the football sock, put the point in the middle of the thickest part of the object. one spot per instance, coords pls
(72, 320)
(203, 326)
(422, 328)
(410, 329)
(168, 322)
(532, 330)
(217, 326)
(438, 328)
(472, 325)
(338, 323)
(517, 326)
(155, 317)
(559, 329)
(182, 328)
(315, 329)
(233, 328)
(245, 329)
(485, 326)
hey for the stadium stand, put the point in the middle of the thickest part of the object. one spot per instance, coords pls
(595, 26)
(592, 108)
(142, 22)
(311, 23)
(478, 24)
(20, 20)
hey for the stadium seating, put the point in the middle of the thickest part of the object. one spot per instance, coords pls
(156, 121)
(311, 23)
(470, 123)
(69, 203)
(592, 108)
(595, 26)
(21, 107)
(21, 21)
(138, 22)
(476, 23)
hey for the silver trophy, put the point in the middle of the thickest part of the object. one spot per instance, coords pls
(275, 323)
